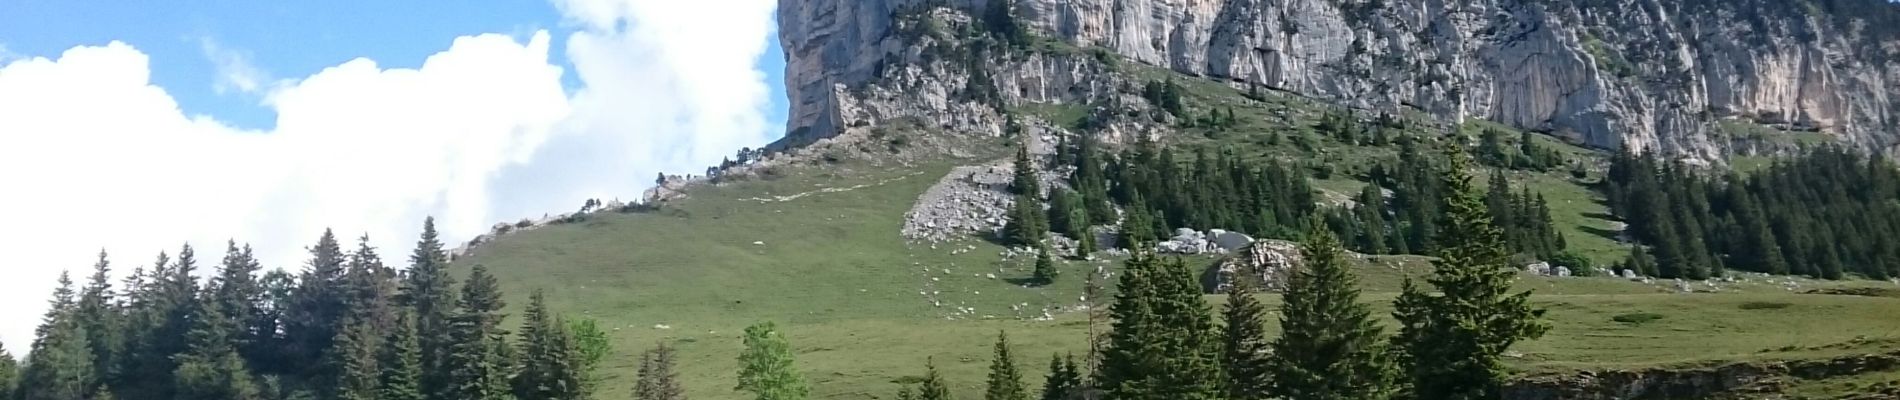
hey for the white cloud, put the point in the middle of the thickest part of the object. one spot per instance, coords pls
(93, 155)
(234, 68)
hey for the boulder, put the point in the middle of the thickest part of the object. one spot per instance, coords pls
(1266, 262)
(1231, 241)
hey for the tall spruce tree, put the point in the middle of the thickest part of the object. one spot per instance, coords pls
(9, 374)
(550, 363)
(478, 360)
(211, 368)
(1045, 272)
(429, 291)
(1005, 382)
(1063, 381)
(354, 357)
(401, 364)
(933, 386)
(1329, 346)
(658, 378)
(765, 368)
(1163, 344)
(1244, 343)
(317, 308)
(241, 295)
(1452, 343)
(102, 319)
(60, 365)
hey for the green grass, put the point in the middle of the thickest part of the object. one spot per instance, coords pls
(1751, 130)
(831, 269)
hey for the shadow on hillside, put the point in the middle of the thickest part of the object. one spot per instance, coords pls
(1604, 233)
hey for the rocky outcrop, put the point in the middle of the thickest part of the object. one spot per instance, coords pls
(1648, 74)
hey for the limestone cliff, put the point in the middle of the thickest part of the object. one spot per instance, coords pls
(1650, 74)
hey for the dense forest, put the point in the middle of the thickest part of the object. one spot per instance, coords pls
(1159, 191)
(346, 327)
(1828, 214)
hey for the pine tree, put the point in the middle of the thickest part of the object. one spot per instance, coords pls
(401, 364)
(1046, 271)
(60, 365)
(1137, 230)
(355, 360)
(1452, 343)
(765, 368)
(1024, 181)
(1244, 345)
(212, 369)
(1640, 261)
(241, 295)
(1063, 380)
(550, 364)
(1006, 382)
(429, 291)
(317, 308)
(1163, 344)
(478, 364)
(658, 379)
(9, 374)
(932, 387)
(1027, 225)
(1329, 346)
(102, 320)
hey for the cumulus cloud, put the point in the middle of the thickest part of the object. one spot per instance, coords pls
(234, 69)
(94, 155)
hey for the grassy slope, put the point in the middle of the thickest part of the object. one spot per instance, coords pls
(832, 269)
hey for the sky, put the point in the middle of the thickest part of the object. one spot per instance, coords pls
(138, 127)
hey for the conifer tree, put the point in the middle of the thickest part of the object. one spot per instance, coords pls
(1006, 382)
(478, 365)
(317, 308)
(765, 368)
(1027, 225)
(658, 379)
(550, 365)
(429, 291)
(355, 360)
(1137, 230)
(932, 387)
(1329, 346)
(1371, 215)
(1244, 345)
(1640, 261)
(401, 364)
(1452, 343)
(1024, 180)
(1063, 379)
(1163, 344)
(9, 374)
(102, 320)
(60, 365)
(1046, 271)
(239, 292)
(212, 369)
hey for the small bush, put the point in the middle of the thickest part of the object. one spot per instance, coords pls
(1636, 318)
(1578, 264)
(524, 223)
(1764, 305)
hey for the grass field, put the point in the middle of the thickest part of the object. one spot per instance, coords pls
(831, 268)
(864, 309)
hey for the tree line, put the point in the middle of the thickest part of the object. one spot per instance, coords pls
(1828, 213)
(1158, 191)
(346, 327)
(1166, 343)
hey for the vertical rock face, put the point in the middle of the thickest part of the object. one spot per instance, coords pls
(1648, 74)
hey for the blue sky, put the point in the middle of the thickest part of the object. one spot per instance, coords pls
(266, 122)
(283, 39)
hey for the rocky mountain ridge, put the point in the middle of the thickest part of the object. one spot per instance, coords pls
(1665, 75)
